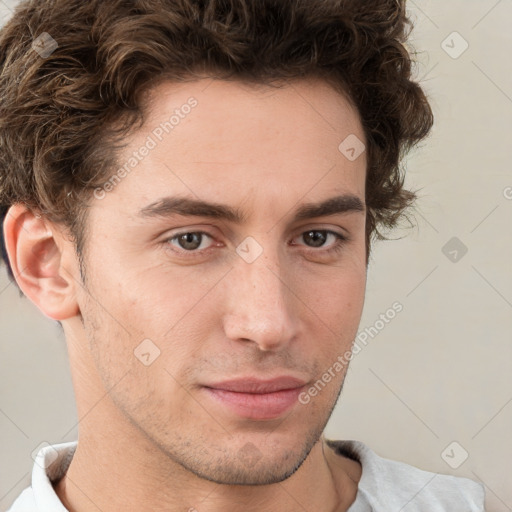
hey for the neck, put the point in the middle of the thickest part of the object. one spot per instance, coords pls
(125, 472)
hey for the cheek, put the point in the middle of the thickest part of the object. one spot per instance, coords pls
(336, 294)
(334, 308)
(151, 296)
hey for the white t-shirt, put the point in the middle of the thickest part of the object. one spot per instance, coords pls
(385, 485)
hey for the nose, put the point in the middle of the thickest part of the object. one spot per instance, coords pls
(261, 306)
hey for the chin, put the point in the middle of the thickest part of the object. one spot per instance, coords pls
(263, 472)
(253, 463)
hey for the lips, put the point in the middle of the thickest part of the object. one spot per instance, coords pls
(251, 385)
(256, 399)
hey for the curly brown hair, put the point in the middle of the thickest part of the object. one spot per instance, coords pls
(64, 115)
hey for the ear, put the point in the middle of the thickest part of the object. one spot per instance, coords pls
(38, 252)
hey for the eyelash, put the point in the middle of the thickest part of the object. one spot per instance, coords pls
(337, 247)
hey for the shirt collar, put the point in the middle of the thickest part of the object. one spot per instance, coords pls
(50, 464)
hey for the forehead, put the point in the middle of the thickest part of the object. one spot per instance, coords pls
(229, 138)
(247, 102)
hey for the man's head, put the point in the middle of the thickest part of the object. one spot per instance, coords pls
(207, 178)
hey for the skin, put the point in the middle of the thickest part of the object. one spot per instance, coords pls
(150, 437)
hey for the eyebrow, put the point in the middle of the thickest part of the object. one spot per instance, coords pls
(169, 206)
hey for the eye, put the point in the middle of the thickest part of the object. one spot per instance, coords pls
(189, 241)
(318, 238)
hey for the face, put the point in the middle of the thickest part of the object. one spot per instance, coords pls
(228, 268)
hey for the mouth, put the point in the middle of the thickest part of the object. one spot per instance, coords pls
(256, 399)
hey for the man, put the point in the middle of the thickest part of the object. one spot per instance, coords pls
(191, 188)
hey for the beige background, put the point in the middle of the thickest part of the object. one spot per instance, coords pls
(441, 370)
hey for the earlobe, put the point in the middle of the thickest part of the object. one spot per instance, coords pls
(37, 252)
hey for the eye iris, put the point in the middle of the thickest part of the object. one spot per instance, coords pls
(318, 238)
(190, 241)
